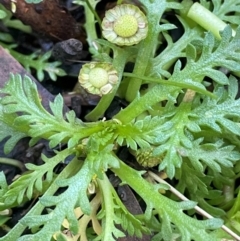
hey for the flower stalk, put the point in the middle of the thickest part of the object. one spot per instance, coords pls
(146, 50)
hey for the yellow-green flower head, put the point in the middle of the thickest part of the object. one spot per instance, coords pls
(125, 24)
(98, 78)
(146, 159)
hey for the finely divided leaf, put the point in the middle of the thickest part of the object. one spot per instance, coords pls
(21, 96)
(31, 182)
(226, 54)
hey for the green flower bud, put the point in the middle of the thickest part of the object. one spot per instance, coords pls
(146, 159)
(98, 78)
(125, 24)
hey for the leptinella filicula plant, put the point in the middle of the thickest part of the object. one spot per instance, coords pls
(124, 24)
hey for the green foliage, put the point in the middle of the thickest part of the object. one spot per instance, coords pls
(2, 14)
(33, 181)
(222, 113)
(183, 109)
(33, 1)
(39, 62)
(224, 55)
(23, 96)
(9, 22)
(222, 10)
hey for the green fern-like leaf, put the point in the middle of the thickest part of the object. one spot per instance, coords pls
(226, 54)
(221, 114)
(173, 51)
(143, 133)
(74, 195)
(39, 62)
(26, 185)
(130, 223)
(225, 9)
(169, 211)
(21, 96)
(209, 164)
(213, 155)
(13, 134)
(117, 213)
(100, 163)
(176, 138)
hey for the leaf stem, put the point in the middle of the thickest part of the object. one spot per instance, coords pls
(90, 15)
(94, 3)
(173, 83)
(156, 94)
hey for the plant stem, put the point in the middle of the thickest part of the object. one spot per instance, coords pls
(156, 94)
(89, 25)
(85, 219)
(207, 19)
(120, 58)
(13, 162)
(92, 5)
(146, 50)
(105, 186)
(173, 83)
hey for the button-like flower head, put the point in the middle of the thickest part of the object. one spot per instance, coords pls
(125, 24)
(98, 78)
(146, 159)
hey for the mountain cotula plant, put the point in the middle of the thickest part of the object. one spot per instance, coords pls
(182, 123)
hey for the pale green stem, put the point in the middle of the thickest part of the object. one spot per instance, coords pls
(13, 162)
(157, 94)
(92, 5)
(119, 64)
(207, 19)
(105, 186)
(90, 15)
(84, 221)
(146, 51)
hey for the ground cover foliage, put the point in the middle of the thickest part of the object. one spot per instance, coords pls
(181, 124)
